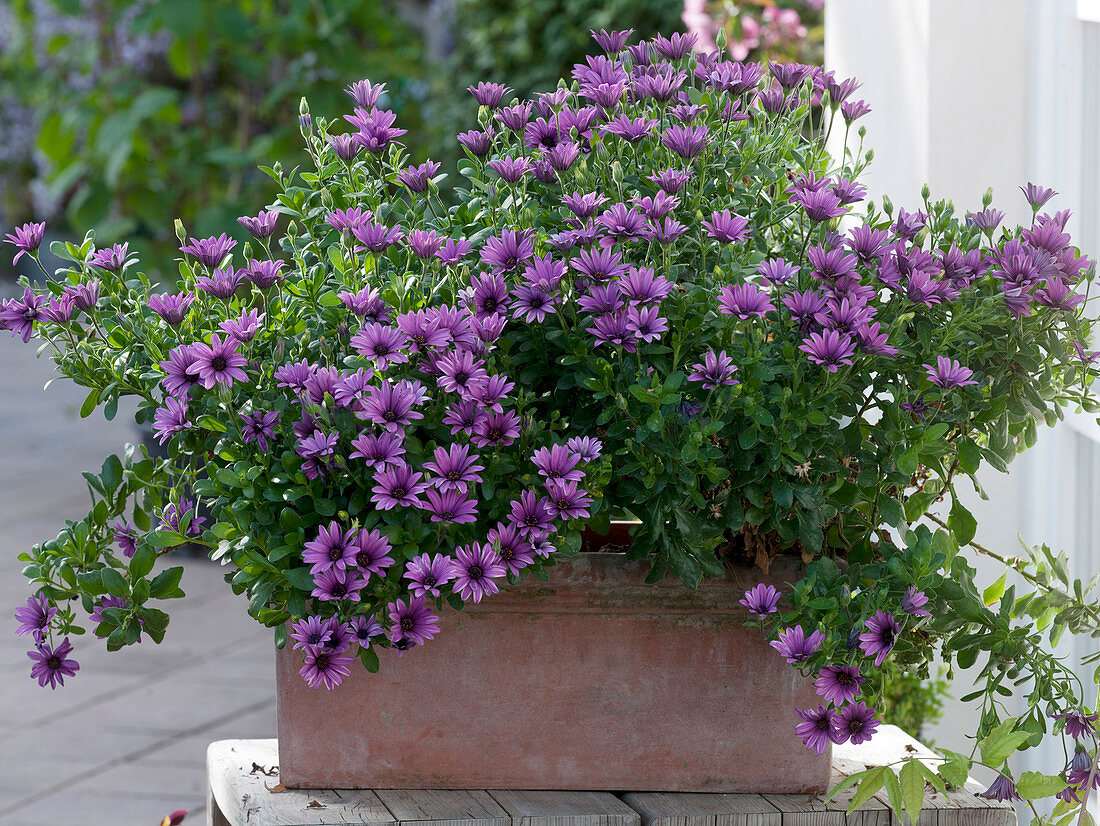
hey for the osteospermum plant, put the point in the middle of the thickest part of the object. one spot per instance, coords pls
(657, 298)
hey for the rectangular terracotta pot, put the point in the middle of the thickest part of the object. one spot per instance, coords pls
(594, 681)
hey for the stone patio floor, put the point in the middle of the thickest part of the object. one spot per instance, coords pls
(124, 741)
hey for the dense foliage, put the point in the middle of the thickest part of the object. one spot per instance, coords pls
(142, 112)
(653, 284)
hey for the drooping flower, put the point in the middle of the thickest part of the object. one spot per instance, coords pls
(218, 362)
(27, 239)
(209, 251)
(1078, 725)
(948, 373)
(398, 485)
(817, 728)
(333, 547)
(476, 568)
(124, 535)
(914, 601)
(715, 369)
(170, 419)
(881, 634)
(52, 664)
(1002, 789)
(325, 668)
(761, 599)
(839, 683)
(856, 723)
(411, 621)
(795, 645)
(428, 574)
(34, 617)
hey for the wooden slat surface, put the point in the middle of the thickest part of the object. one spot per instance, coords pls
(243, 778)
(547, 808)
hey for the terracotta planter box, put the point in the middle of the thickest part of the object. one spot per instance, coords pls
(591, 681)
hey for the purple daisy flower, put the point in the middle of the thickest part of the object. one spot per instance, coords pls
(392, 405)
(60, 310)
(181, 370)
(332, 548)
(492, 392)
(367, 304)
(829, 348)
(853, 110)
(475, 568)
(417, 178)
(488, 94)
(124, 535)
(104, 603)
(170, 419)
(34, 617)
(914, 601)
(744, 301)
(453, 251)
(372, 554)
(646, 323)
(262, 226)
(19, 315)
(716, 369)
(209, 251)
(294, 376)
(244, 327)
(381, 344)
(496, 429)
(364, 628)
(111, 259)
(584, 204)
(475, 142)
(839, 683)
(530, 514)
(881, 634)
(450, 507)
(376, 237)
(777, 271)
(532, 303)
(566, 500)
(685, 141)
(378, 451)
(172, 308)
(511, 170)
(218, 362)
(508, 250)
(264, 274)
(310, 633)
(345, 219)
(671, 180)
(52, 664)
(428, 574)
(948, 373)
(411, 622)
(856, 723)
(336, 584)
(761, 600)
(398, 485)
(324, 668)
(454, 467)
(676, 46)
(727, 227)
(558, 462)
(86, 295)
(424, 243)
(258, 427)
(817, 728)
(460, 372)
(796, 646)
(514, 117)
(611, 42)
(1037, 196)
(464, 416)
(27, 239)
(820, 205)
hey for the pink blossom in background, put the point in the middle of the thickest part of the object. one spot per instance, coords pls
(701, 24)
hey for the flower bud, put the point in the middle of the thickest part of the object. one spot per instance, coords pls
(925, 192)
(181, 233)
(887, 205)
(720, 39)
(617, 173)
(987, 198)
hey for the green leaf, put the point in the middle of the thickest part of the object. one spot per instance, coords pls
(114, 583)
(166, 583)
(995, 591)
(961, 522)
(912, 789)
(893, 794)
(142, 563)
(165, 539)
(111, 473)
(970, 456)
(369, 658)
(90, 402)
(956, 769)
(1033, 785)
(300, 578)
(868, 787)
(1001, 742)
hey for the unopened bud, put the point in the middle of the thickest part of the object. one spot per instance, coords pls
(181, 233)
(925, 191)
(987, 199)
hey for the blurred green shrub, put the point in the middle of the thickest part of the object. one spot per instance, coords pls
(147, 111)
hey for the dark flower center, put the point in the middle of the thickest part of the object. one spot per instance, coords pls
(507, 554)
(536, 301)
(452, 475)
(320, 662)
(381, 349)
(563, 504)
(822, 723)
(510, 261)
(398, 493)
(461, 378)
(530, 521)
(335, 554)
(363, 559)
(494, 433)
(598, 275)
(54, 663)
(407, 624)
(887, 636)
(855, 726)
(845, 679)
(218, 363)
(475, 572)
(390, 415)
(429, 581)
(339, 590)
(419, 339)
(193, 378)
(447, 515)
(403, 645)
(315, 638)
(489, 303)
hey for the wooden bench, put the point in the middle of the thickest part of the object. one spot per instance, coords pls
(244, 790)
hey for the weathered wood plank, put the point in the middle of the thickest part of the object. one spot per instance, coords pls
(695, 809)
(242, 774)
(443, 807)
(551, 808)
